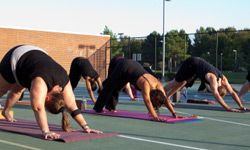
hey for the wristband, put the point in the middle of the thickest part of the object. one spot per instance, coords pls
(75, 113)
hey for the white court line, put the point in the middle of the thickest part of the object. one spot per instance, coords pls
(218, 120)
(163, 143)
(19, 145)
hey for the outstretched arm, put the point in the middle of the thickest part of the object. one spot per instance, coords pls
(70, 103)
(244, 89)
(91, 93)
(129, 91)
(230, 90)
(38, 93)
(146, 97)
(170, 107)
(99, 82)
(214, 89)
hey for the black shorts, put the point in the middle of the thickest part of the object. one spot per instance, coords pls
(186, 71)
(5, 66)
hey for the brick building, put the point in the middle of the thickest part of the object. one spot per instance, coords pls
(63, 47)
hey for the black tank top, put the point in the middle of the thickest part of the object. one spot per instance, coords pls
(113, 63)
(203, 67)
(38, 64)
(132, 70)
(83, 67)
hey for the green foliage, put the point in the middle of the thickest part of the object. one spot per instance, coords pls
(151, 45)
(177, 45)
(115, 45)
(180, 45)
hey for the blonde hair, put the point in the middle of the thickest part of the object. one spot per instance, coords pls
(222, 91)
(56, 105)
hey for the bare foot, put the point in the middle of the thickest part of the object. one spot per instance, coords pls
(134, 99)
(7, 116)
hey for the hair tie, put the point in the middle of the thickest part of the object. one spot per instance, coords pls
(62, 109)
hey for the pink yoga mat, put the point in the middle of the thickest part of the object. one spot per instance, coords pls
(31, 128)
(142, 116)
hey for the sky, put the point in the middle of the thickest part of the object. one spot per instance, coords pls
(135, 18)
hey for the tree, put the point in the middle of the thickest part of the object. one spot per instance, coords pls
(114, 44)
(242, 45)
(176, 48)
(151, 45)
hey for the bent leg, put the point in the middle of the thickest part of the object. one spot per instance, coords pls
(13, 96)
(244, 89)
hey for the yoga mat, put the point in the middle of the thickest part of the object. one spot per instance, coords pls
(142, 116)
(31, 128)
(203, 101)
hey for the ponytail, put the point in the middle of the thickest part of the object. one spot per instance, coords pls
(66, 122)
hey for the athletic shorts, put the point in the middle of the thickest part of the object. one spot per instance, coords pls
(5, 67)
(186, 71)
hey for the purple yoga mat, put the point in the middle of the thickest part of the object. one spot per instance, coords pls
(142, 116)
(31, 128)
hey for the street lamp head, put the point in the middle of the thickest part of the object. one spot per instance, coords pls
(235, 50)
(120, 34)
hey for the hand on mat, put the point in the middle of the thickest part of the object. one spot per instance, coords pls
(244, 109)
(88, 130)
(234, 110)
(51, 135)
(160, 119)
(175, 115)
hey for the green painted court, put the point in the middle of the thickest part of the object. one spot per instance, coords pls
(217, 130)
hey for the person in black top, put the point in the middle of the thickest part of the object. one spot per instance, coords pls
(81, 67)
(127, 88)
(195, 67)
(27, 66)
(131, 71)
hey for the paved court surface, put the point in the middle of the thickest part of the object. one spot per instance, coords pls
(218, 130)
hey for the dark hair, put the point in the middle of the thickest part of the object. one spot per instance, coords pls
(93, 85)
(157, 98)
(56, 105)
(222, 91)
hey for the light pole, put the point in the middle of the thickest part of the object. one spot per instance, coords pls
(208, 53)
(235, 57)
(221, 54)
(120, 35)
(216, 50)
(163, 55)
(155, 51)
